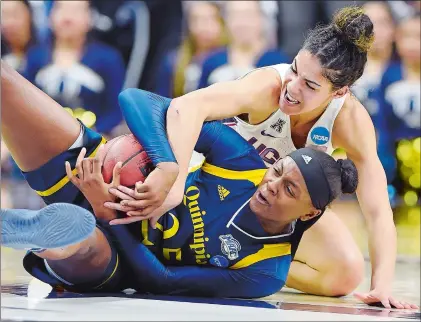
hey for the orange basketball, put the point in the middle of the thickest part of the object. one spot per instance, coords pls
(136, 163)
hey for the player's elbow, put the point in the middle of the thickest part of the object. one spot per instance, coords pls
(192, 106)
(130, 98)
(272, 286)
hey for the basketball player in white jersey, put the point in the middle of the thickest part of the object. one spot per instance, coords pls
(284, 107)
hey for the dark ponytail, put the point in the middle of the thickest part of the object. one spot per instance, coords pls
(342, 175)
(342, 46)
(349, 176)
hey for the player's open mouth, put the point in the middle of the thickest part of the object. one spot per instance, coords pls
(290, 99)
(262, 199)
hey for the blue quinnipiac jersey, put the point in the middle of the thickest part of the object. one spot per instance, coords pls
(212, 244)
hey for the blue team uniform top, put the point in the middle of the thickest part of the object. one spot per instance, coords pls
(93, 83)
(216, 67)
(212, 244)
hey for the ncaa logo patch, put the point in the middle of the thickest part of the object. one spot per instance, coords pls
(219, 261)
(320, 135)
(230, 246)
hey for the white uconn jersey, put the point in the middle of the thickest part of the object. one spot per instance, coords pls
(272, 138)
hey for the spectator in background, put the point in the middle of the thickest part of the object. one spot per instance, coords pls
(180, 71)
(366, 89)
(248, 46)
(400, 100)
(76, 71)
(17, 32)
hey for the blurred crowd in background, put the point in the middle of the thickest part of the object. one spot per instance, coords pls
(82, 54)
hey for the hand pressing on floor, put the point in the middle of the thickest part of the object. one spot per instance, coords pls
(383, 299)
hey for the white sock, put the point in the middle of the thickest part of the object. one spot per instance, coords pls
(79, 141)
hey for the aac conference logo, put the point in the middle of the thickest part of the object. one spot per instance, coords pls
(320, 135)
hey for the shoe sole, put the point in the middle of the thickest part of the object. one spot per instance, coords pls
(54, 226)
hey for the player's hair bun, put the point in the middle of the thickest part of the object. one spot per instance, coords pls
(349, 175)
(355, 26)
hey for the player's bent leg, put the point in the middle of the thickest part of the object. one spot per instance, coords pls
(50, 180)
(328, 262)
(90, 266)
(34, 127)
(82, 263)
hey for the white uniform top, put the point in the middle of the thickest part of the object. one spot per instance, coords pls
(272, 138)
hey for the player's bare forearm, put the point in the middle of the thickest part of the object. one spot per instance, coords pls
(254, 94)
(183, 130)
(355, 133)
(374, 202)
(382, 246)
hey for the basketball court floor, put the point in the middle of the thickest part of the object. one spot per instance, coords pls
(26, 299)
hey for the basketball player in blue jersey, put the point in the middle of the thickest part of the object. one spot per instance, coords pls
(284, 107)
(232, 236)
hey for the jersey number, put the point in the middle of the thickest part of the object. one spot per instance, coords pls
(166, 234)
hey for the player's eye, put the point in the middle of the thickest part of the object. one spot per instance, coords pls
(277, 171)
(289, 190)
(312, 88)
(293, 70)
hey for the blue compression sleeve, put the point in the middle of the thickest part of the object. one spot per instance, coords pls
(151, 275)
(145, 115)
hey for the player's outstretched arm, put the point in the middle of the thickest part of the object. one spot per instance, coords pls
(355, 133)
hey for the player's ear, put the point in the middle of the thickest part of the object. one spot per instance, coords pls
(341, 92)
(313, 213)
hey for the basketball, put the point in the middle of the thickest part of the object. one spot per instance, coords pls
(136, 163)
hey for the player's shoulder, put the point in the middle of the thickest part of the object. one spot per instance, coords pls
(352, 120)
(352, 112)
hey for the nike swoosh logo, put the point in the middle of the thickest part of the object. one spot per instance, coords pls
(267, 134)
